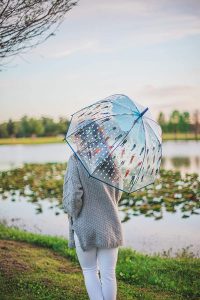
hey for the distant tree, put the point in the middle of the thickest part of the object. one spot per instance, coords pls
(184, 122)
(50, 127)
(63, 125)
(196, 123)
(24, 127)
(11, 128)
(174, 121)
(162, 121)
(27, 127)
(4, 130)
(46, 126)
(27, 23)
(36, 127)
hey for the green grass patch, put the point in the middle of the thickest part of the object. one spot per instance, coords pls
(139, 276)
(180, 136)
(31, 140)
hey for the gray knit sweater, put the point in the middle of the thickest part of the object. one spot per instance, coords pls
(92, 208)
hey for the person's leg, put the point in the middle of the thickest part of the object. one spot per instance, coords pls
(88, 263)
(107, 260)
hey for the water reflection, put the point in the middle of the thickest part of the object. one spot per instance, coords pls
(182, 164)
(173, 200)
(140, 233)
(183, 156)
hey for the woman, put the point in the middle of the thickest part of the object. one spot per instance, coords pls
(94, 228)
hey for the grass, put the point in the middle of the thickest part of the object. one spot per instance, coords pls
(43, 267)
(31, 140)
(180, 136)
(59, 139)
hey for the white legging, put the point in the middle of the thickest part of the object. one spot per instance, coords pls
(104, 259)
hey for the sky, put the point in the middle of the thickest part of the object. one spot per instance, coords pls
(147, 50)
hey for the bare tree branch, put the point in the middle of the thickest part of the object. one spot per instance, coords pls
(26, 23)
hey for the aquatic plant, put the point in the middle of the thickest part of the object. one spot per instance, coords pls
(170, 192)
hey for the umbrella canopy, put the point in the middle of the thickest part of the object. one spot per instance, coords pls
(117, 140)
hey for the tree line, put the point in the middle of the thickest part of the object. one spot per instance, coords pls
(180, 122)
(176, 122)
(29, 127)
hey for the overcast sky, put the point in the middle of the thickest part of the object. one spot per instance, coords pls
(148, 50)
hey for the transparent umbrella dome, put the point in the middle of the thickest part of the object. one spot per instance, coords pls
(118, 142)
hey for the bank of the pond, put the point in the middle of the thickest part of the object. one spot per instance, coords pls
(31, 140)
(59, 139)
(43, 267)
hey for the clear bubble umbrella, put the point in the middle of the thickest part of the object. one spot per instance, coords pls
(117, 140)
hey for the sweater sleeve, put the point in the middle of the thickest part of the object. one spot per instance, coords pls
(72, 190)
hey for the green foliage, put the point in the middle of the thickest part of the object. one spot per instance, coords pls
(27, 127)
(178, 122)
(166, 278)
(45, 181)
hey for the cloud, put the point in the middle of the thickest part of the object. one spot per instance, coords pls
(136, 22)
(71, 50)
(171, 90)
(169, 97)
(63, 49)
(136, 7)
(97, 27)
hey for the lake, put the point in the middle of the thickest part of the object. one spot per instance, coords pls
(141, 233)
(177, 155)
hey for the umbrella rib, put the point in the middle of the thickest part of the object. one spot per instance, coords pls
(91, 173)
(145, 152)
(153, 130)
(100, 119)
(156, 138)
(152, 120)
(126, 134)
(136, 180)
(77, 156)
(136, 107)
(141, 165)
(140, 188)
(123, 105)
(128, 108)
(100, 101)
(113, 101)
(119, 142)
(97, 177)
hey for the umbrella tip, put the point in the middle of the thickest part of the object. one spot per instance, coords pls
(143, 112)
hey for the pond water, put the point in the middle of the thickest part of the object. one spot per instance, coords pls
(141, 233)
(177, 155)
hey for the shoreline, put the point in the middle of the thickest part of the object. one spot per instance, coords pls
(59, 139)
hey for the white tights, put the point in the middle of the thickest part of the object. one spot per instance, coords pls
(105, 259)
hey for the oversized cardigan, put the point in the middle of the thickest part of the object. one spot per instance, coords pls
(92, 209)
